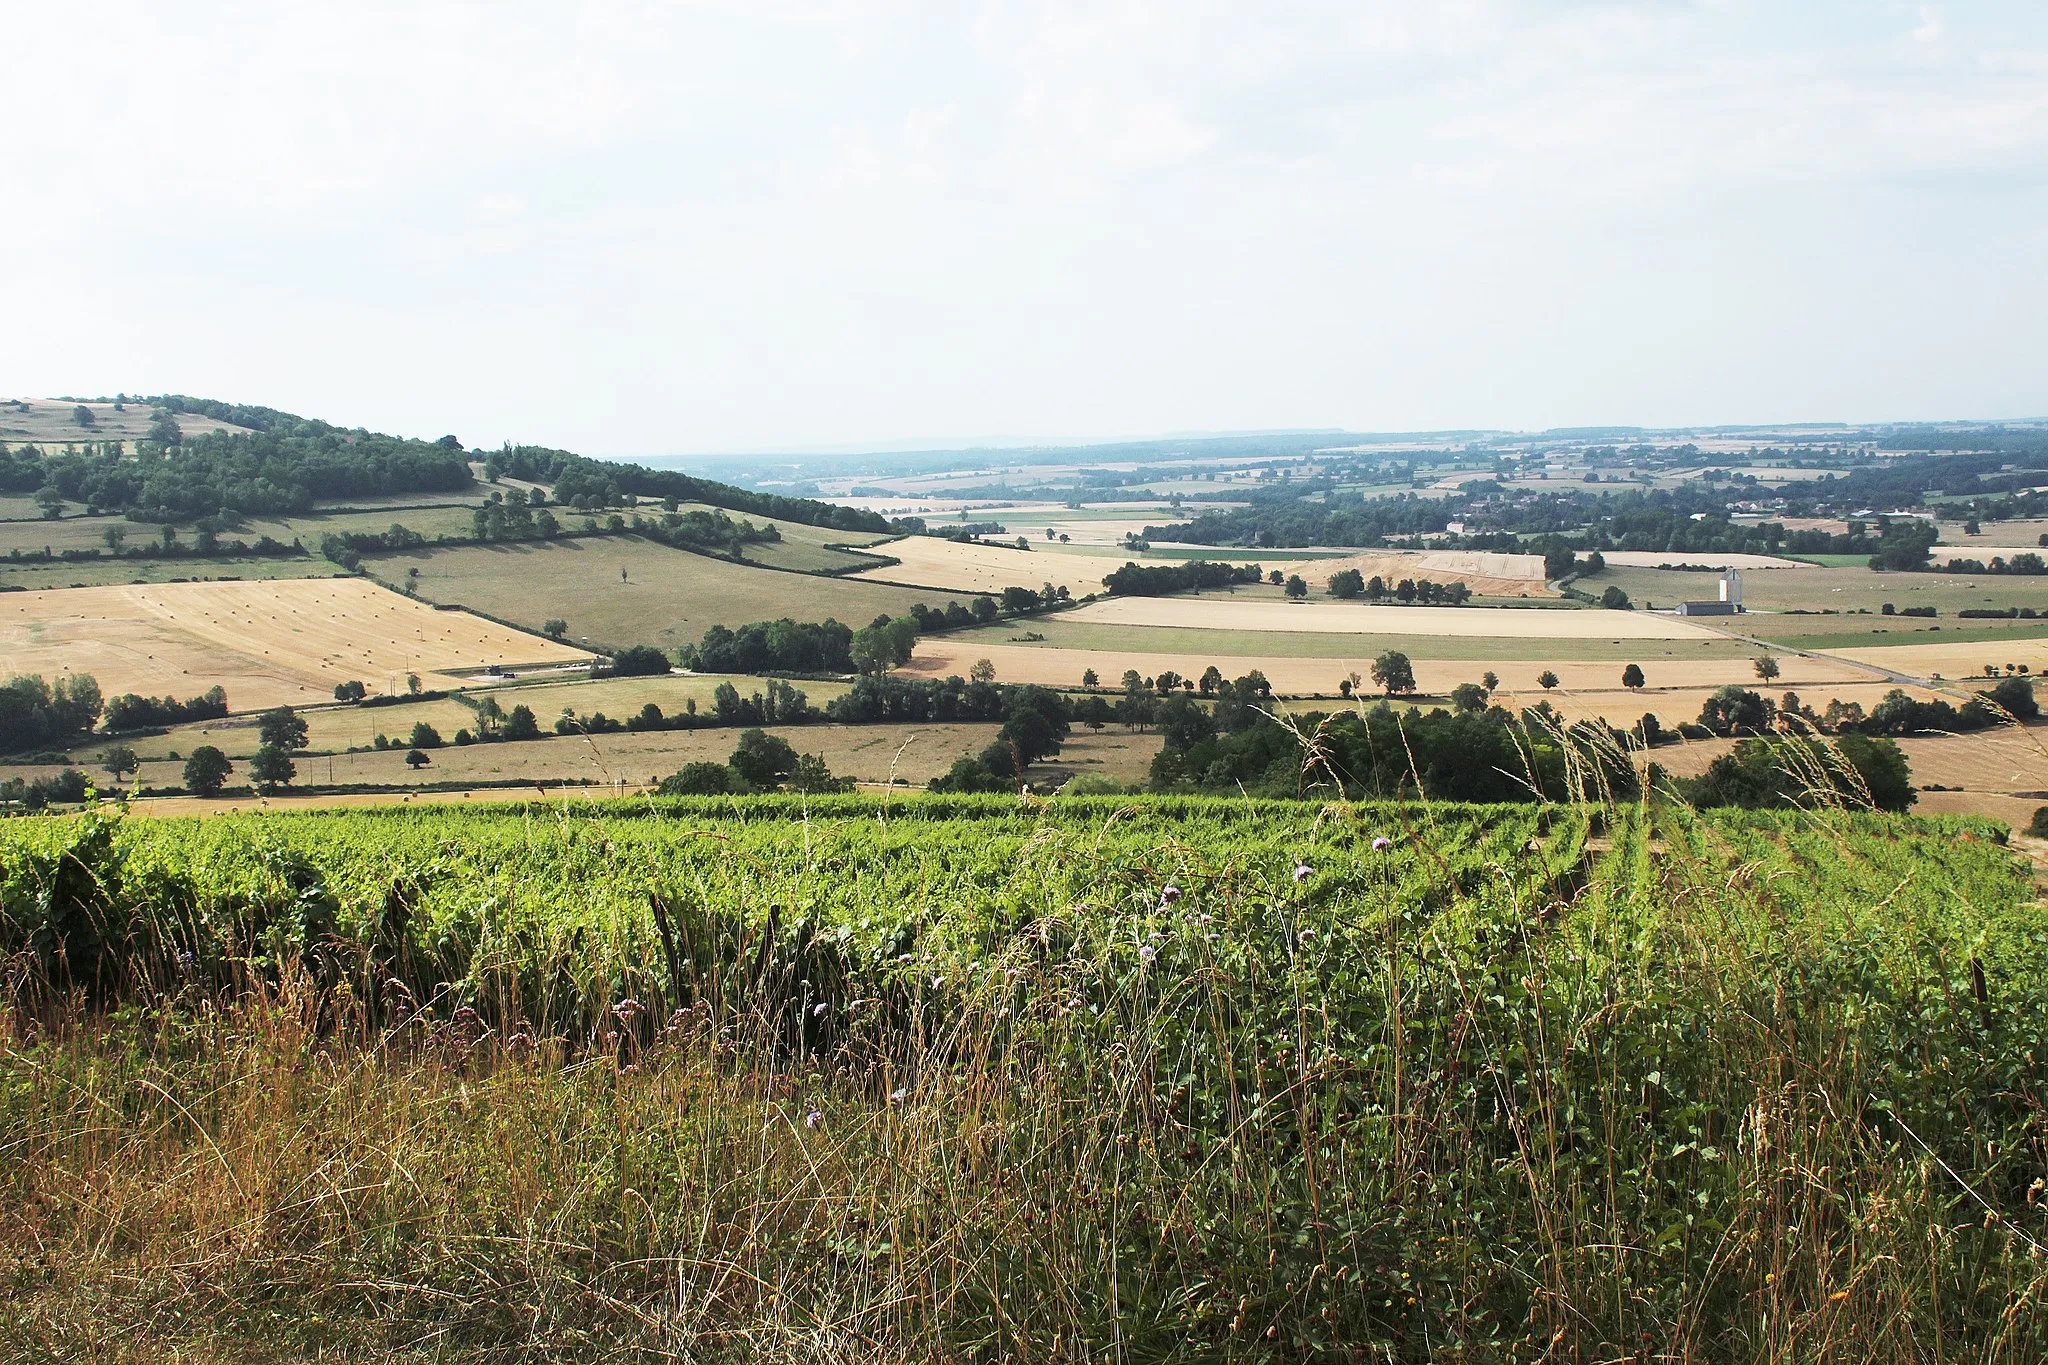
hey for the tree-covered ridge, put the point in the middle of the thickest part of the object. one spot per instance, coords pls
(283, 463)
(606, 483)
(284, 468)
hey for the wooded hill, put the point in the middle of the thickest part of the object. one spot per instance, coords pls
(281, 463)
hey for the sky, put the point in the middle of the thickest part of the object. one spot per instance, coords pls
(642, 230)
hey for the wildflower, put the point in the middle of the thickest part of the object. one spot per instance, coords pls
(628, 1009)
(813, 1119)
(1302, 872)
(1168, 894)
(818, 1010)
(902, 958)
(1146, 953)
(1381, 843)
(466, 1015)
(896, 1096)
(1307, 934)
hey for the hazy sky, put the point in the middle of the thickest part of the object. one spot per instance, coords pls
(637, 229)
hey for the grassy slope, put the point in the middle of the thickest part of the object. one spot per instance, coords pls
(670, 597)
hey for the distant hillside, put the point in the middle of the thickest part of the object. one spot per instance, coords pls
(251, 460)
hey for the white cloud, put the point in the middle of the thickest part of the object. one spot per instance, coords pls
(644, 227)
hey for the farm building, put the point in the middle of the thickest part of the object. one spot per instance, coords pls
(1729, 603)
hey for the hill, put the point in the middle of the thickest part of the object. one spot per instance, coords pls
(204, 460)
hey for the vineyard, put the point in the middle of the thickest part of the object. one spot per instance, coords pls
(1087, 1079)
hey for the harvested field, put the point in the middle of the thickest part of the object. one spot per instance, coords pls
(914, 752)
(960, 567)
(1224, 613)
(53, 424)
(1957, 661)
(1816, 589)
(1651, 559)
(1061, 631)
(666, 597)
(286, 641)
(99, 573)
(1676, 688)
(1490, 575)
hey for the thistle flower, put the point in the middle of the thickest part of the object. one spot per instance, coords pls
(1168, 894)
(1302, 872)
(1381, 843)
(1146, 953)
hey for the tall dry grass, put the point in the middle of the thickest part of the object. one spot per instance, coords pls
(1627, 1094)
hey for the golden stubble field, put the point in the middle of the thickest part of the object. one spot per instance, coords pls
(1674, 691)
(1489, 574)
(959, 567)
(914, 753)
(1228, 613)
(288, 641)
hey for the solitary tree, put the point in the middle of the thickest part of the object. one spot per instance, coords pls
(417, 760)
(555, 628)
(1546, 680)
(352, 690)
(1489, 680)
(83, 416)
(1089, 678)
(272, 767)
(983, 671)
(1297, 587)
(1767, 668)
(120, 761)
(283, 729)
(115, 537)
(1393, 671)
(206, 772)
(1632, 676)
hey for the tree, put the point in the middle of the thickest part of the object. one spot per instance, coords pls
(639, 661)
(1614, 599)
(1468, 697)
(1089, 678)
(1393, 671)
(1297, 587)
(282, 728)
(206, 771)
(983, 671)
(115, 537)
(416, 760)
(2015, 696)
(764, 760)
(1735, 710)
(412, 684)
(352, 690)
(1766, 667)
(1275, 578)
(554, 628)
(1546, 680)
(1489, 680)
(1347, 583)
(424, 736)
(82, 415)
(698, 779)
(272, 767)
(1632, 676)
(520, 724)
(120, 761)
